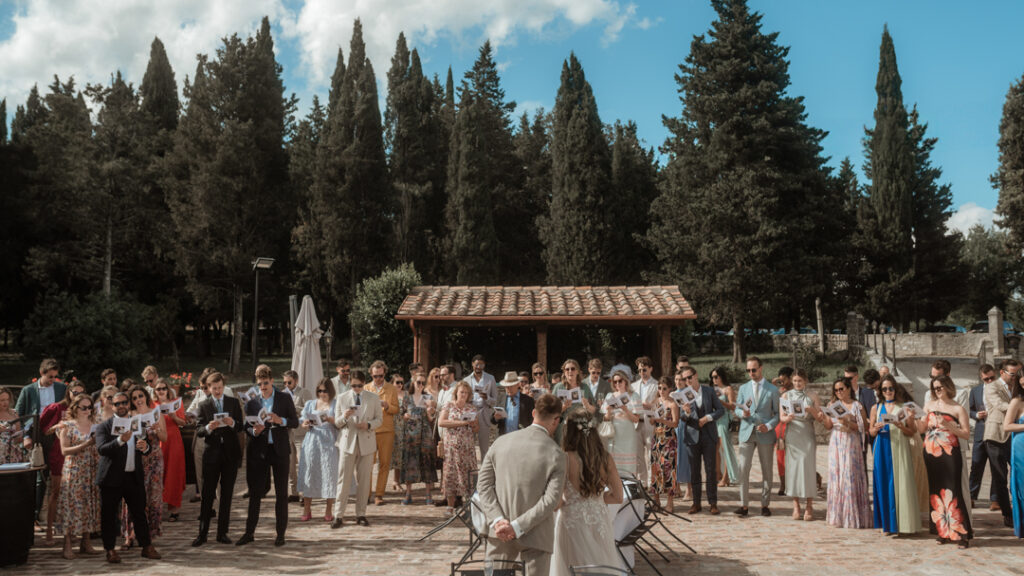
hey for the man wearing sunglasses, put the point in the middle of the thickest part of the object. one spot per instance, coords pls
(357, 413)
(120, 478)
(757, 407)
(485, 396)
(997, 440)
(979, 455)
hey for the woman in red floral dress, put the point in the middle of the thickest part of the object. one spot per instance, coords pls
(945, 426)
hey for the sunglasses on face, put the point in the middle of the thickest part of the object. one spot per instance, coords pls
(138, 397)
(1010, 374)
(988, 379)
(888, 389)
(569, 369)
(686, 378)
(357, 385)
(399, 383)
(121, 403)
(86, 407)
(161, 389)
(321, 391)
(538, 373)
(752, 370)
(937, 389)
(839, 388)
(716, 377)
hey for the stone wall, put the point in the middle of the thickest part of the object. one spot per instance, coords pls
(832, 342)
(938, 345)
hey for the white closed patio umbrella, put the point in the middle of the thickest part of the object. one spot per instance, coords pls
(306, 359)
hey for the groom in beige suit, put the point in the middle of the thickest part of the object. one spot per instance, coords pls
(520, 485)
(357, 414)
(997, 440)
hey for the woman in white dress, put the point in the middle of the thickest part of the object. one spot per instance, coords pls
(583, 525)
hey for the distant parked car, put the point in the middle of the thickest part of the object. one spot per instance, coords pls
(944, 329)
(808, 330)
(982, 326)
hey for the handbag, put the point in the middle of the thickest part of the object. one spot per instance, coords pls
(37, 459)
(606, 430)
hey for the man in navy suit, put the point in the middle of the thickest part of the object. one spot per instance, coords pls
(979, 456)
(757, 407)
(268, 449)
(221, 457)
(701, 438)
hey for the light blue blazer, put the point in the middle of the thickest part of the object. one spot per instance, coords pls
(765, 410)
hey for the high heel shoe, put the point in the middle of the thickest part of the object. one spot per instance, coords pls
(796, 514)
(305, 518)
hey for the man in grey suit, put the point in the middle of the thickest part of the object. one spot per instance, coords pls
(485, 395)
(357, 414)
(520, 485)
(599, 387)
(997, 440)
(757, 407)
(979, 455)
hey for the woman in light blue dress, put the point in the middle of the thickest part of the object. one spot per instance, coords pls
(726, 453)
(318, 467)
(1014, 422)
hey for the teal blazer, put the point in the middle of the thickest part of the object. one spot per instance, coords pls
(765, 410)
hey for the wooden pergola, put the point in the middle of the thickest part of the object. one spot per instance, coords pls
(430, 309)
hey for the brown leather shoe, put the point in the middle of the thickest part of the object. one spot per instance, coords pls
(993, 506)
(113, 557)
(151, 553)
(714, 510)
(694, 509)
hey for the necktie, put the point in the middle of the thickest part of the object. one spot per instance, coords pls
(357, 399)
(755, 393)
(129, 463)
(220, 404)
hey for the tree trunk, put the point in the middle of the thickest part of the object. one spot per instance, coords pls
(739, 353)
(108, 256)
(236, 334)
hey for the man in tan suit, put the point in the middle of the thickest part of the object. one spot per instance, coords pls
(357, 414)
(997, 440)
(520, 485)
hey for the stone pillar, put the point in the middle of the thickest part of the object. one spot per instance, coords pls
(995, 331)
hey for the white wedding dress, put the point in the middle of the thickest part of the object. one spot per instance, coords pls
(583, 532)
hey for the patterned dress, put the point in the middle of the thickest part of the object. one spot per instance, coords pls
(11, 447)
(417, 444)
(663, 459)
(153, 476)
(397, 457)
(79, 505)
(459, 454)
(318, 467)
(945, 463)
(848, 505)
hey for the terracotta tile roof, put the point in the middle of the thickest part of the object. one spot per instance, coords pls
(570, 302)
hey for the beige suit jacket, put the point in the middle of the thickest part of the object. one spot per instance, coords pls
(521, 480)
(997, 400)
(369, 411)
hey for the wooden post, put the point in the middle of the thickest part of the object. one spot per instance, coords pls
(665, 349)
(542, 346)
(423, 352)
(415, 341)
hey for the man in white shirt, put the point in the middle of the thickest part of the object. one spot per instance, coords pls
(485, 390)
(599, 387)
(341, 381)
(646, 387)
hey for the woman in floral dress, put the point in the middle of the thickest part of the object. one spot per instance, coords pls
(459, 417)
(848, 505)
(12, 435)
(417, 446)
(79, 494)
(664, 444)
(153, 470)
(944, 427)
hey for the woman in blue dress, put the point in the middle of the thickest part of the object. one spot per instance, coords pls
(318, 467)
(1014, 422)
(895, 488)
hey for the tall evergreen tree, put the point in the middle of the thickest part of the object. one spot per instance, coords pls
(483, 179)
(27, 116)
(533, 150)
(1009, 176)
(3, 121)
(581, 180)
(742, 167)
(159, 91)
(889, 164)
(337, 79)
(634, 186)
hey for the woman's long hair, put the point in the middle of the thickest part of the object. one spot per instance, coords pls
(582, 438)
(901, 395)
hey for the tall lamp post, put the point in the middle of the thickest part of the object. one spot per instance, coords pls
(259, 263)
(328, 338)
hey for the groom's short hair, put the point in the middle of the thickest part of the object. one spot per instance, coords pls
(548, 406)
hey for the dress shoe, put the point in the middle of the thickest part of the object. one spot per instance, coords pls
(245, 494)
(113, 557)
(782, 491)
(361, 520)
(195, 499)
(245, 539)
(279, 541)
(199, 541)
(294, 498)
(1008, 521)
(714, 510)
(150, 552)
(766, 511)
(440, 502)
(338, 523)
(223, 539)
(742, 511)
(694, 509)
(993, 506)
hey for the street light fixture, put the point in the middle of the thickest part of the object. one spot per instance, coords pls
(328, 338)
(259, 263)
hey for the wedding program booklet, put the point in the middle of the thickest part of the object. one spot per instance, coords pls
(798, 408)
(147, 420)
(917, 410)
(221, 416)
(616, 400)
(839, 409)
(679, 396)
(887, 418)
(172, 406)
(785, 406)
(120, 426)
(467, 416)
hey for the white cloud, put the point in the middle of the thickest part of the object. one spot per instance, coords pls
(646, 23)
(321, 26)
(968, 215)
(91, 39)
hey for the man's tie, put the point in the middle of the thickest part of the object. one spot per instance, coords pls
(129, 463)
(219, 403)
(357, 399)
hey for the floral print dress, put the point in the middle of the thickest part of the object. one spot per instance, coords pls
(417, 444)
(848, 505)
(12, 437)
(79, 504)
(459, 454)
(945, 463)
(153, 475)
(663, 459)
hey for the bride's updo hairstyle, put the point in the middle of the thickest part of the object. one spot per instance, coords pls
(582, 438)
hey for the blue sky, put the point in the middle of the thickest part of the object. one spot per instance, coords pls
(957, 59)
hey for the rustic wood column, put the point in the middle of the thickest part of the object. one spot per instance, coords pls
(665, 349)
(415, 341)
(422, 343)
(542, 346)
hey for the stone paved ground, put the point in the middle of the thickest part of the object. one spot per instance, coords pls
(725, 545)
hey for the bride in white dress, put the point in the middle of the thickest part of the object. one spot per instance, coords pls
(583, 526)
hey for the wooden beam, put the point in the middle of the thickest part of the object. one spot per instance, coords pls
(542, 346)
(415, 341)
(665, 349)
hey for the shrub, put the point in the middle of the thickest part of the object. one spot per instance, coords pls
(88, 335)
(378, 334)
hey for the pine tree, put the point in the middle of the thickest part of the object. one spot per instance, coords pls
(889, 164)
(574, 232)
(743, 166)
(483, 179)
(28, 116)
(159, 91)
(1009, 177)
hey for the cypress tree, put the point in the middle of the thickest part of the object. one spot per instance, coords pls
(1009, 176)
(3, 121)
(159, 91)
(634, 186)
(28, 116)
(337, 79)
(574, 233)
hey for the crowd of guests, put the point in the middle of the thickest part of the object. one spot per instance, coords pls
(672, 434)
